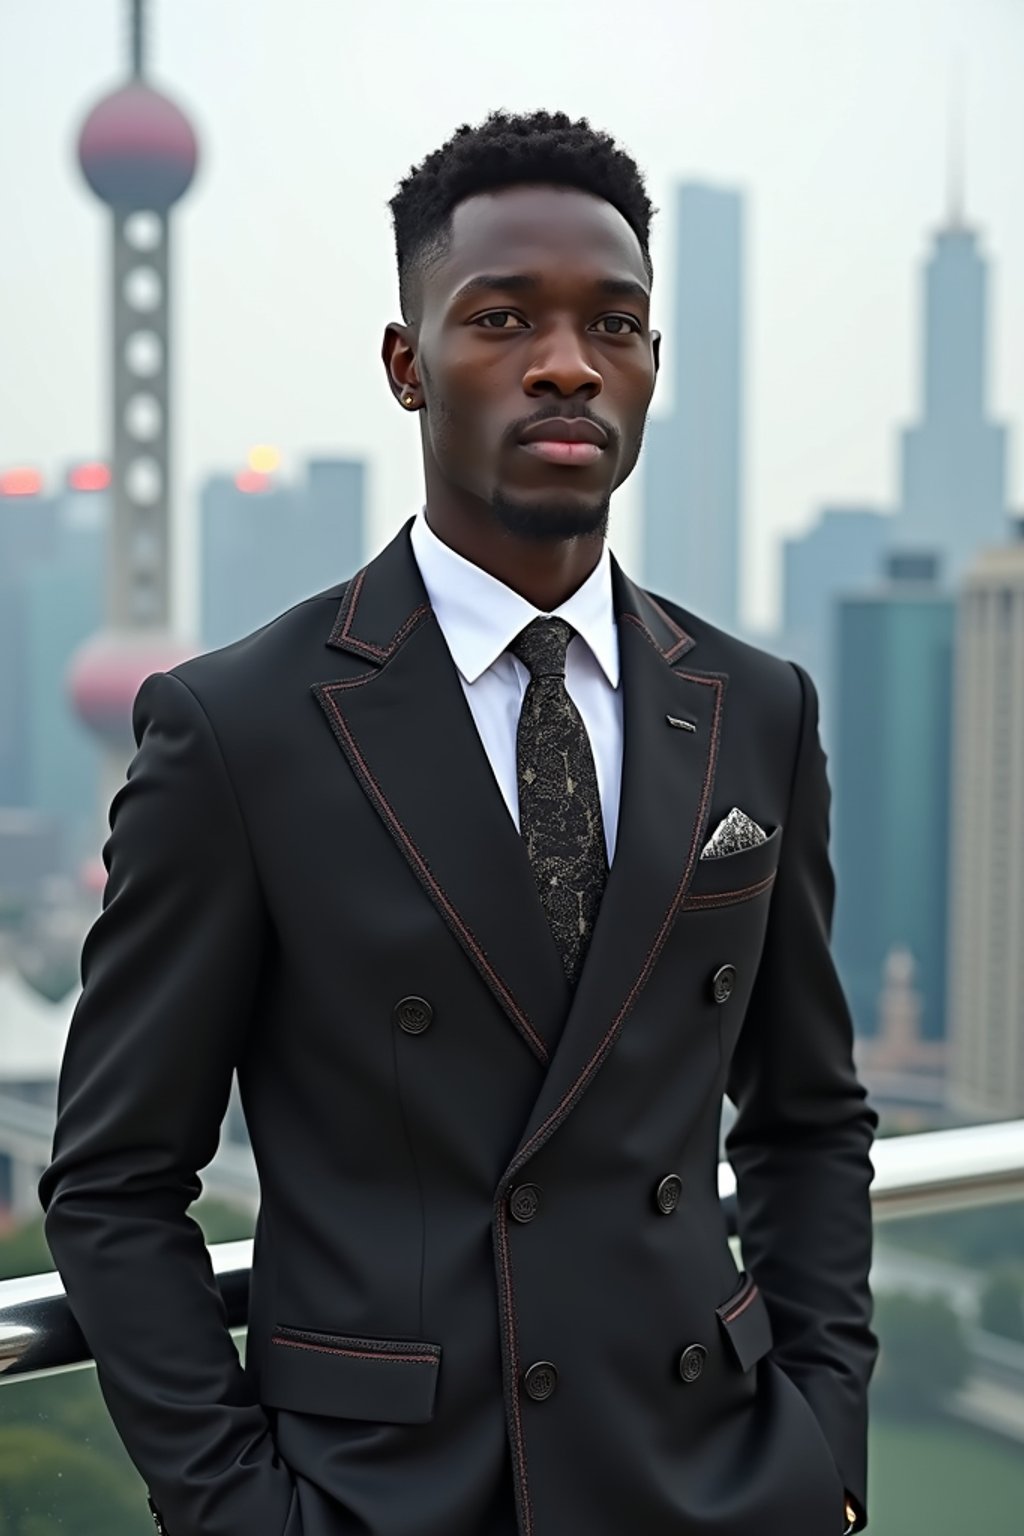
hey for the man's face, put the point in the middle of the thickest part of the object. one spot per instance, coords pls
(538, 310)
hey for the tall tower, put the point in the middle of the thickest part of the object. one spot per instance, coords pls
(693, 458)
(953, 460)
(138, 153)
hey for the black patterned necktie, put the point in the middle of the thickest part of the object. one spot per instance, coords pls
(559, 805)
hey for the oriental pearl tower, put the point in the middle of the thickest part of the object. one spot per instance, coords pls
(138, 153)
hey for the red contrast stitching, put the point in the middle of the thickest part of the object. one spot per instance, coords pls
(341, 634)
(421, 866)
(510, 1328)
(683, 640)
(730, 1317)
(633, 618)
(357, 1354)
(655, 949)
(727, 898)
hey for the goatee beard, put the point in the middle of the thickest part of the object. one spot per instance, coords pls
(551, 522)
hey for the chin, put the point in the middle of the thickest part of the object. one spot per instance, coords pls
(552, 520)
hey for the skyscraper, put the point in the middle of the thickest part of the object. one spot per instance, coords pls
(28, 521)
(63, 598)
(953, 461)
(692, 461)
(52, 556)
(839, 554)
(266, 545)
(890, 776)
(986, 927)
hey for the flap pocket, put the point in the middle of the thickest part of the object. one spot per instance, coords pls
(393, 1380)
(735, 876)
(745, 1322)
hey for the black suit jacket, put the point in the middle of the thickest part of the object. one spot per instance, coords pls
(471, 1313)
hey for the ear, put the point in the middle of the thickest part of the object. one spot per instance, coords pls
(398, 353)
(656, 349)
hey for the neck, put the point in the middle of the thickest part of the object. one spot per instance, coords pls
(545, 572)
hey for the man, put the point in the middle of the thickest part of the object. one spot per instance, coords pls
(421, 859)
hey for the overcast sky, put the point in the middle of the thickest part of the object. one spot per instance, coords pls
(831, 115)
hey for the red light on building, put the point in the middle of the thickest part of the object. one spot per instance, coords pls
(252, 480)
(21, 482)
(89, 477)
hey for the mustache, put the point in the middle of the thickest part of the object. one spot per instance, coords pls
(564, 413)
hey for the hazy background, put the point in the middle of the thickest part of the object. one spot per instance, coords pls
(830, 122)
(830, 114)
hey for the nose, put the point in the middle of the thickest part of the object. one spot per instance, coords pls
(559, 363)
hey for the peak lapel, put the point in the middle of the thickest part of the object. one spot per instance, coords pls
(401, 718)
(667, 780)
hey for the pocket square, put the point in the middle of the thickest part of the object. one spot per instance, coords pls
(736, 831)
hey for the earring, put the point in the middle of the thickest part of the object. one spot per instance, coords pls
(409, 400)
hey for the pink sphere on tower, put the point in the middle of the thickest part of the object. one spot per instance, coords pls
(137, 149)
(106, 673)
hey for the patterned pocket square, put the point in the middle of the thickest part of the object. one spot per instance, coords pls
(736, 831)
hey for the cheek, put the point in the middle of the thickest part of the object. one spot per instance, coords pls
(463, 416)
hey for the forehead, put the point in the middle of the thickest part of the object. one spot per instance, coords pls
(539, 229)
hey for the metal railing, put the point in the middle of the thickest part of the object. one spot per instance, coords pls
(928, 1172)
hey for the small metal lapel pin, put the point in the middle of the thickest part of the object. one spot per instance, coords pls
(681, 725)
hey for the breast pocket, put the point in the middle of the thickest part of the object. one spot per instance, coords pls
(735, 877)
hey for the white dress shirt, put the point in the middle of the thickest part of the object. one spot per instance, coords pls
(479, 618)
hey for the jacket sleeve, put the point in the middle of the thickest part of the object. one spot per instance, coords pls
(801, 1140)
(169, 970)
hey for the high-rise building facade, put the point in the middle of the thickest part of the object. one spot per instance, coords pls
(63, 606)
(953, 461)
(839, 554)
(266, 545)
(53, 550)
(692, 458)
(890, 778)
(986, 926)
(27, 533)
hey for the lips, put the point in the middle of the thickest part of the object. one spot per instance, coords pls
(565, 440)
(565, 429)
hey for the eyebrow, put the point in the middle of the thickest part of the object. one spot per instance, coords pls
(523, 282)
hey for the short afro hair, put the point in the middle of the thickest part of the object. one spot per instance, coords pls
(502, 151)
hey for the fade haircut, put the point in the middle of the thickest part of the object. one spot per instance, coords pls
(503, 151)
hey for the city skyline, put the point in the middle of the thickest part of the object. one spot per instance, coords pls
(278, 339)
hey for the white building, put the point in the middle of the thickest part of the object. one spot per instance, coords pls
(986, 930)
(32, 1036)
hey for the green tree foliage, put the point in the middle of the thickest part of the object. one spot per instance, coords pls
(977, 1238)
(1001, 1308)
(24, 1252)
(923, 1358)
(48, 1484)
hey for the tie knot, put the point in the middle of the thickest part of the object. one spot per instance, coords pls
(542, 645)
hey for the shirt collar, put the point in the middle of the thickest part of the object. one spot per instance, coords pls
(480, 616)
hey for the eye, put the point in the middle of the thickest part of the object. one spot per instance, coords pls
(624, 320)
(501, 314)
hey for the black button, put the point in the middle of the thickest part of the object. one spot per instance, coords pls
(667, 1194)
(691, 1361)
(524, 1202)
(540, 1380)
(413, 1014)
(722, 983)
